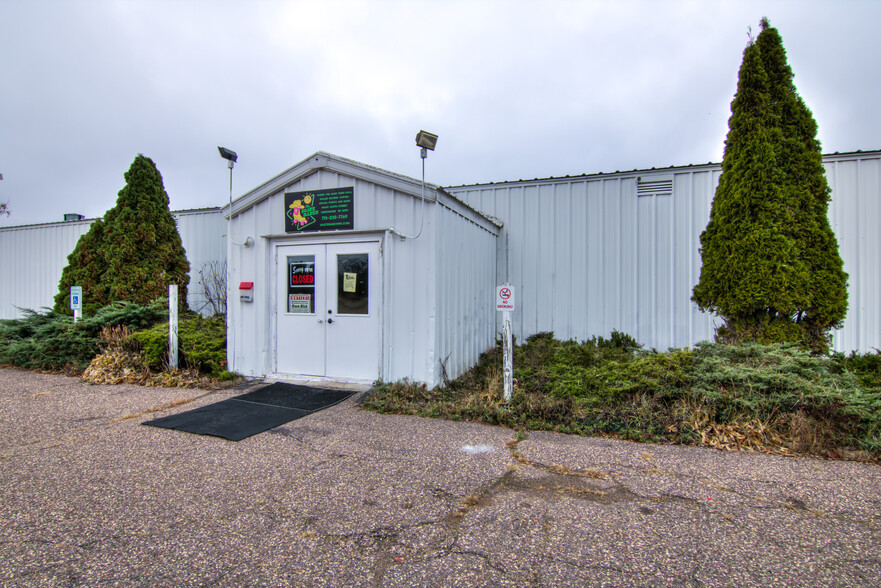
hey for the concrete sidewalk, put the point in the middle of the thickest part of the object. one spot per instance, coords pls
(346, 497)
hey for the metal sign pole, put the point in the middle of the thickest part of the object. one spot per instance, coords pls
(505, 303)
(509, 354)
(172, 326)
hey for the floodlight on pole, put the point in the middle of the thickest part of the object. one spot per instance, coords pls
(231, 158)
(229, 155)
(427, 142)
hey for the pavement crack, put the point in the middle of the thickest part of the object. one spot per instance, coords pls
(621, 492)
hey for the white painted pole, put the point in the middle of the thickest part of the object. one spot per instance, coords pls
(172, 326)
(508, 337)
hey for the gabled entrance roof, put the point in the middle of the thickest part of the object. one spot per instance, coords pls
(335, 163)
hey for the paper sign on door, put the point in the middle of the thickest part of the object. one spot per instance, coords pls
(299, 303)
(349, 281)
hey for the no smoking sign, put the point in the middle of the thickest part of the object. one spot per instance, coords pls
(505, 297)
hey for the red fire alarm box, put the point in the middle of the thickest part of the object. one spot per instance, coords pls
(246, 290)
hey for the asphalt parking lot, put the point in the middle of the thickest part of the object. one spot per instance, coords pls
(346, 497)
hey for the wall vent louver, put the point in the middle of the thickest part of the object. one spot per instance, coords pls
(654, 188)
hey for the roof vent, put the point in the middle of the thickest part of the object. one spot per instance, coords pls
(654, 187)
(72, 216)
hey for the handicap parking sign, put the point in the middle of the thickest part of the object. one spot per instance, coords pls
(76, 297)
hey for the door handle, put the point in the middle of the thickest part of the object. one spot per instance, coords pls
(320, 321)
(329, 321)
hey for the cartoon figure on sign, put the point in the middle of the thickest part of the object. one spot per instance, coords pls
(301, 212)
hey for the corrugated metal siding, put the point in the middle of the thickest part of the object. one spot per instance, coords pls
(247, 343)
(35, 255)
(588, 255)
(855, 215)
(410, 315)
(466, 280)
(203, 235)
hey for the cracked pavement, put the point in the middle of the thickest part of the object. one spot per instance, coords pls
(346, 497)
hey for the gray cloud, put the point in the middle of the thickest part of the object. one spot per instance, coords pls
(514, 89)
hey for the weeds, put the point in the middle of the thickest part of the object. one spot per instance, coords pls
(750, 397)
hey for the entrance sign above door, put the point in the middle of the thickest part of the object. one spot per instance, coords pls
(319, 210)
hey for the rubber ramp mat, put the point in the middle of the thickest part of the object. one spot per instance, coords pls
(243, 416)
(294, 396)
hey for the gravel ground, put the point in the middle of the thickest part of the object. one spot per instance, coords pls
(346, 497)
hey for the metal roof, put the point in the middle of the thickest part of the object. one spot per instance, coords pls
(91, 220)
(672, 168)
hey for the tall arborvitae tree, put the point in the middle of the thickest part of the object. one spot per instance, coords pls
(135, 253)
(771, 267)
(801, 157)
(85, 268)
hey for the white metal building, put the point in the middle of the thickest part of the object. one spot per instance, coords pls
(594, 253)
(342, 271)
(33, 257)
(336, 284)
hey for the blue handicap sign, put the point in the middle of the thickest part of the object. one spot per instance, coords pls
(76, 297)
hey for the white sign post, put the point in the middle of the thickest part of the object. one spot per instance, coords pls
(505, 304)
(172, 326)
(76, 302)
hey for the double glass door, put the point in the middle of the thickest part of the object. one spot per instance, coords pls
(328, 310)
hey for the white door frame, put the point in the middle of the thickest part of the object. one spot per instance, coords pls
(376, 238)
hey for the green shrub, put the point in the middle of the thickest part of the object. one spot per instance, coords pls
(804, 398)
(758, 397)
(52, 341)
(866, 368)
(201, 344)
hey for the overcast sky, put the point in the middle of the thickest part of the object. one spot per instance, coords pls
(514, 89)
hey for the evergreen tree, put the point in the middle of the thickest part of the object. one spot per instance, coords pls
(771, 267)
(801, 157)
(134, 254)
(85, 267)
